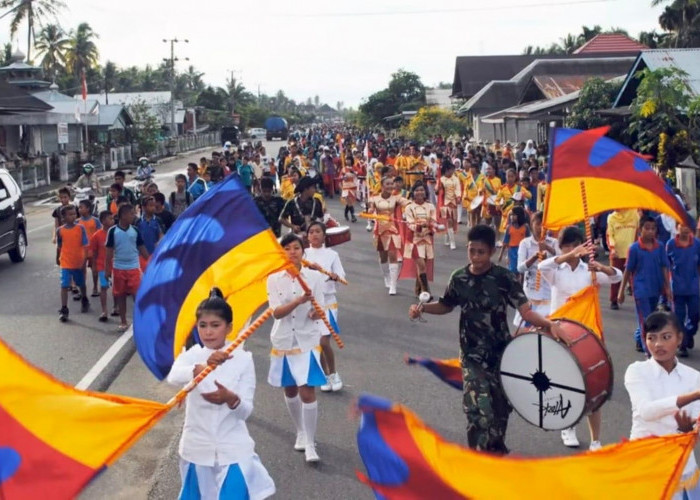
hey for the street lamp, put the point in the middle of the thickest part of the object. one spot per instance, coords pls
(173, 41)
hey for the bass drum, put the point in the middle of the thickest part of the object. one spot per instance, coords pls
(552, 385)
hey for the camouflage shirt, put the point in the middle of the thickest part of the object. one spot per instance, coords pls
(483, 299)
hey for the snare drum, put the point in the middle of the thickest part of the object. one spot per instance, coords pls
(331, 222)
(337, 235)
(553, 385)
(476, 202)
(491, 200)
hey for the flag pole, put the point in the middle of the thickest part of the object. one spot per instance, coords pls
(540, 258)
(318, 268)
(587, 224)
(319, 310)
(182, 393)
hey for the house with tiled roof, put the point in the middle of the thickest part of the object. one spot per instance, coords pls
(611, 43)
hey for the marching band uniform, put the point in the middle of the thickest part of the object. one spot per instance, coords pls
(463, 177)
(539, 297)
(506, 201)
(287, 188)
(541, 194)
(386, 233)
(488, 186)
(421, 220)
(451, 193)
(348, 194)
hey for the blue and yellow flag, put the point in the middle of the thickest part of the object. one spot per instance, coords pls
(221, 240)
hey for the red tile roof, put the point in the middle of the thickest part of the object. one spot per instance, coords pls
(610, 43)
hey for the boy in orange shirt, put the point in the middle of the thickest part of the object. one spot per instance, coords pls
(97, 258)
(91, 225)
(71, 255)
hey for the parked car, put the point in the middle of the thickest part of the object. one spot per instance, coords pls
(257, 133)
(13, 222)
(276, 126)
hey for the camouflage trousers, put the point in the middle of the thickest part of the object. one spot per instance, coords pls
(486, 407)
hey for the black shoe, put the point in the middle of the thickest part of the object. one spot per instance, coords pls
(85, 306)
(614, 306)
(63, 314)
(638, 346)
(354, 219)
(682, 352)
(103, 318)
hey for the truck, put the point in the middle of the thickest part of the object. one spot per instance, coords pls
(276, 126)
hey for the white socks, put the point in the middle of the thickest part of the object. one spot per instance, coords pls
(294, 405)
(451, 237)
(393, 278)
(459, 213)
(385, 271)
(310, 417)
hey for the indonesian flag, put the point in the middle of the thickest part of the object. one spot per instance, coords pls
(84, 86)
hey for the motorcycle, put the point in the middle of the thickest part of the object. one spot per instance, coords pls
(81, 194)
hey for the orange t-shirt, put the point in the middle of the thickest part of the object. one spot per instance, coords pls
(98, 248)
(73, 242)
(514, 235)
(91, 225)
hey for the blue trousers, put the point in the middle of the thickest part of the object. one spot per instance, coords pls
(645, 306)
(687, 308)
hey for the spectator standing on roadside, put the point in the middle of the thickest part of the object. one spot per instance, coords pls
(180, 199)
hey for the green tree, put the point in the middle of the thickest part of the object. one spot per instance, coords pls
(35, 11)
(109, 75)
(595, 95)
(213, 98)
(82, 52)
(51, 46)
(432, 121)
(145, 130)
(380, 105)
(407, 88)
(681, 20)
(6, 54)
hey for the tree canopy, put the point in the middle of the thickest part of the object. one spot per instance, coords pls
(405, 92)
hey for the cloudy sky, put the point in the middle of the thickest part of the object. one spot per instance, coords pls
(342, 51)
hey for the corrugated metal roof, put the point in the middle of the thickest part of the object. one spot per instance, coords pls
(610, 43)
(129, 98)
(686, 59)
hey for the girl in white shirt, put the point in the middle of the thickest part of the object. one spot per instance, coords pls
(664, 393)
(567, 274)
(329, 260)
(295, 362)
(217, 454)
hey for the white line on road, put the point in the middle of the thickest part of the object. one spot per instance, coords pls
(33, 230)
(106, 358)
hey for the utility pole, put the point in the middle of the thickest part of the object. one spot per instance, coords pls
(173, 41)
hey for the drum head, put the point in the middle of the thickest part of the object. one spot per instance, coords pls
(491, 200)
(337, 230)
(476, 202)
(543, 381)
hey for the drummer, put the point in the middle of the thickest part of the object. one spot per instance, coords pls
(463, 176)
(304, 208)
(509, 193)
(483, 291)
(567, 274)
(387, 237)
(473, 199)
(489, 187)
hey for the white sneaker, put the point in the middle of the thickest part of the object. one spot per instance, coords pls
(300, 443)
(568, 437)
(595, 446)
(336, 383)
(392, 289)
(327, 387)
(453, 246)
(369, 227)
(447, 242)
(311, 455)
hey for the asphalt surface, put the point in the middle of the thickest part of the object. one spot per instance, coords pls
(377, 334)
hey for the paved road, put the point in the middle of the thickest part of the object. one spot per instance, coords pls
(376, 331)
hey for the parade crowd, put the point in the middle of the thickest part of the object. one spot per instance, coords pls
(411, 196)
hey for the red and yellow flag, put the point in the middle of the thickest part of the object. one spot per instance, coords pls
(583, 307)
(406, 459)
(54, 438)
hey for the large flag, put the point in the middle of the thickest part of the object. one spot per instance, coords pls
(583, 307)
(405, 459)
(54, 438)
(447, 370)
(221, 240)
(615, 177)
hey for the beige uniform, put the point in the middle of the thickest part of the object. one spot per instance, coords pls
(421, 219)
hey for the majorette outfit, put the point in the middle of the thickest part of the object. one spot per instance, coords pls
(217, 454)
(489, 187)
(348, 194)
(295, 357)
(507, 201)
(421, 220)
(449, 198)
(387, 236)
(329, 260)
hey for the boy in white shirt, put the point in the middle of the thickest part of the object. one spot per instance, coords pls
(665, 394)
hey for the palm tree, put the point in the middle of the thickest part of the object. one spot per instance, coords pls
(109, 75)
(682, 20)
(82, 51)
(52, 44)
(34, 11)
(194, 79)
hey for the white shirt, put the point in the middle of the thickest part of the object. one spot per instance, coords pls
(529, 247)
(296, 329)
(329, 260)
(566, 281)
(653, 393)
(216, 434)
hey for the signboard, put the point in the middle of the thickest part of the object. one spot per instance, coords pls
(62, 133)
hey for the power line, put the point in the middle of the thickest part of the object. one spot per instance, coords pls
(446, 11)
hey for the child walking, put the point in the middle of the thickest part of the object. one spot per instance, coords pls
(664, 392)
(647, 269)
(516, 231)
(217, 454)
(295, 363)
(684, 257)
(97, 257)
(71, 256)
(91, 225)
(329, 260)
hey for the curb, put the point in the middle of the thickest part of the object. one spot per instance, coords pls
(105, 379)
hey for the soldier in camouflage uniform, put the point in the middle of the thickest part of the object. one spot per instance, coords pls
(483, 291)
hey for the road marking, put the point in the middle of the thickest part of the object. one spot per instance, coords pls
(106, 358)
(40, 228)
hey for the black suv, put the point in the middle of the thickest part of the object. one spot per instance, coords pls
(13, 223)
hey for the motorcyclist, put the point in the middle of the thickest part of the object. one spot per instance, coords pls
(89, 179)
(144, 170)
